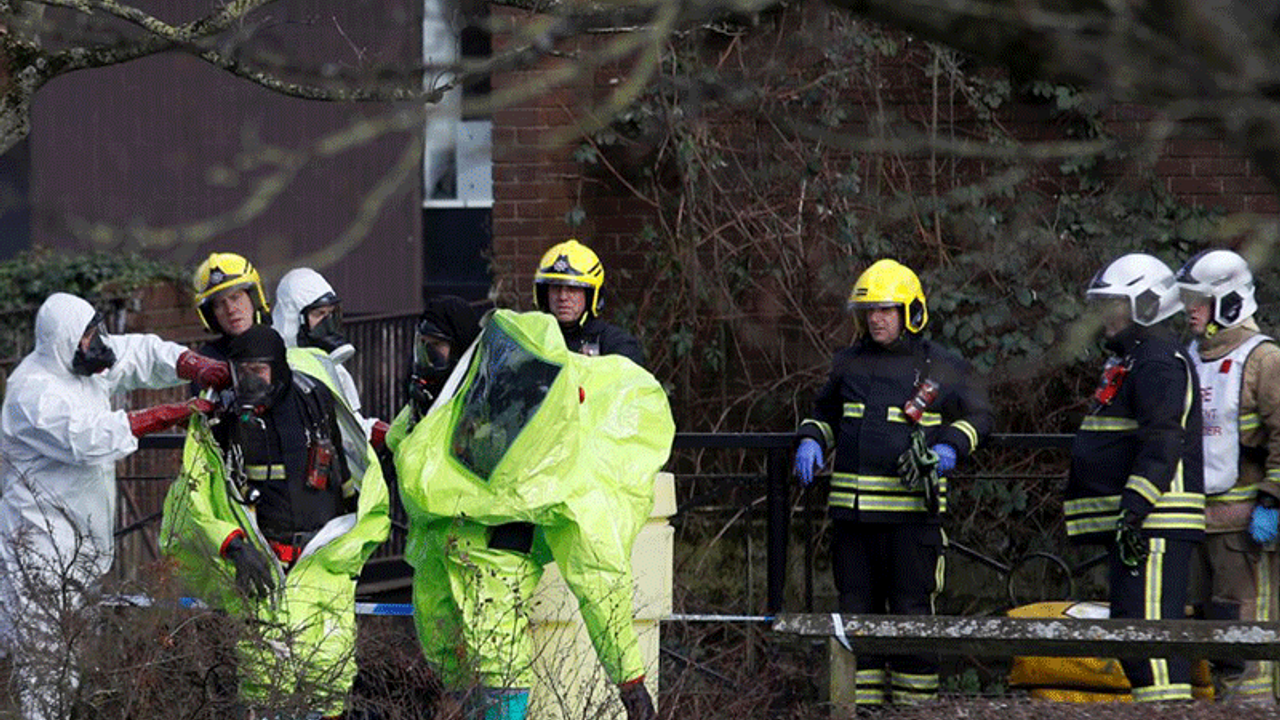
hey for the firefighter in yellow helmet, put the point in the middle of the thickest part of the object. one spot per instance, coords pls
(229, 297)
(898, 410)
(568, 284)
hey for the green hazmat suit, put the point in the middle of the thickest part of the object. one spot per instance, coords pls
(301, 638)
(536, 434)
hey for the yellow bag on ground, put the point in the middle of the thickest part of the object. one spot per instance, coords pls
(1083, 679)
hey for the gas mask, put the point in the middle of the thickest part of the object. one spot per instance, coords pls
(98, 356)
(253, 394)
(431, 366)
(326, 334)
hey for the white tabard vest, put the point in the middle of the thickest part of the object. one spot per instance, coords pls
(1220, 383)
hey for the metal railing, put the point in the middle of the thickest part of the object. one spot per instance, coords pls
(779, 448)
(777, 479)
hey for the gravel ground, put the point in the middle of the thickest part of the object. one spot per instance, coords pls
(1029, 709)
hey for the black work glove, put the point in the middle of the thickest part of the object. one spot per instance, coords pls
(636, 700)
(253, 570)
(1131, 540)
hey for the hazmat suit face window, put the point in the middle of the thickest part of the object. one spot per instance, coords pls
(506, 390)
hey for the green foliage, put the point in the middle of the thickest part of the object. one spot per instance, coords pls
(32, 276)
(757, 244)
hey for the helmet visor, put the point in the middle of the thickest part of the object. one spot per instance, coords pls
(1194, 297)
(1114, 311)
(221, 292)
(873, 305)
(562, 280)
(431, 351)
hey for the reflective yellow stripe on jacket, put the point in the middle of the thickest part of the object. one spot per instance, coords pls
(876, 493)
(1103, 423)
(1172, 511)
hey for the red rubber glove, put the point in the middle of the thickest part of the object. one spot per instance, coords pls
(378, 434)
(204, 371)
(163, 417)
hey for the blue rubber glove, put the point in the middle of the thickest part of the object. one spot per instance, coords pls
(1262, 526)
(808, 459)
(946, 457)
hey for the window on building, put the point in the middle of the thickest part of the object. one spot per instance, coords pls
(15, 204)
(458, 158)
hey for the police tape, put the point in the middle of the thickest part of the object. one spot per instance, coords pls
(404, 609)
(143, 601)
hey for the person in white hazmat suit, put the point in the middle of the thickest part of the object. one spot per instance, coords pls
(308, 313)
(60, 441)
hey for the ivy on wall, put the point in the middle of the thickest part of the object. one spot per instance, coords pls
(770, 203)
(101, 278)
(785, 156)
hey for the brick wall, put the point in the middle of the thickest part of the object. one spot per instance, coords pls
(537, 184)
(163, 309)
(1203, 171)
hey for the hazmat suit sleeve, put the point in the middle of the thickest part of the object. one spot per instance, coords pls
(628, 439)
(53, 420)
(399, 429)
(348, 386)
(348, 551)
(351, 396)
(200, 516)
(143, 361)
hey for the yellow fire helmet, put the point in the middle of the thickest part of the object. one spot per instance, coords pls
(574, 264)
(889, 283)
(221, 272)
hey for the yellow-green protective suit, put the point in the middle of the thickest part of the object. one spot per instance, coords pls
(301, 639)
(534, 433)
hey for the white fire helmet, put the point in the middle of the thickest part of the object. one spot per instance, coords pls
(1145, 281)
(1223, 279)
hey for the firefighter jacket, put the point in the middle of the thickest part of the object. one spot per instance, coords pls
(1241, 422)
(858, 412)
(597, 337)
(1139, 449)
(298, 489)
(528, 432)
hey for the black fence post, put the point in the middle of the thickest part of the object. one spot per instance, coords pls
(776, 468)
